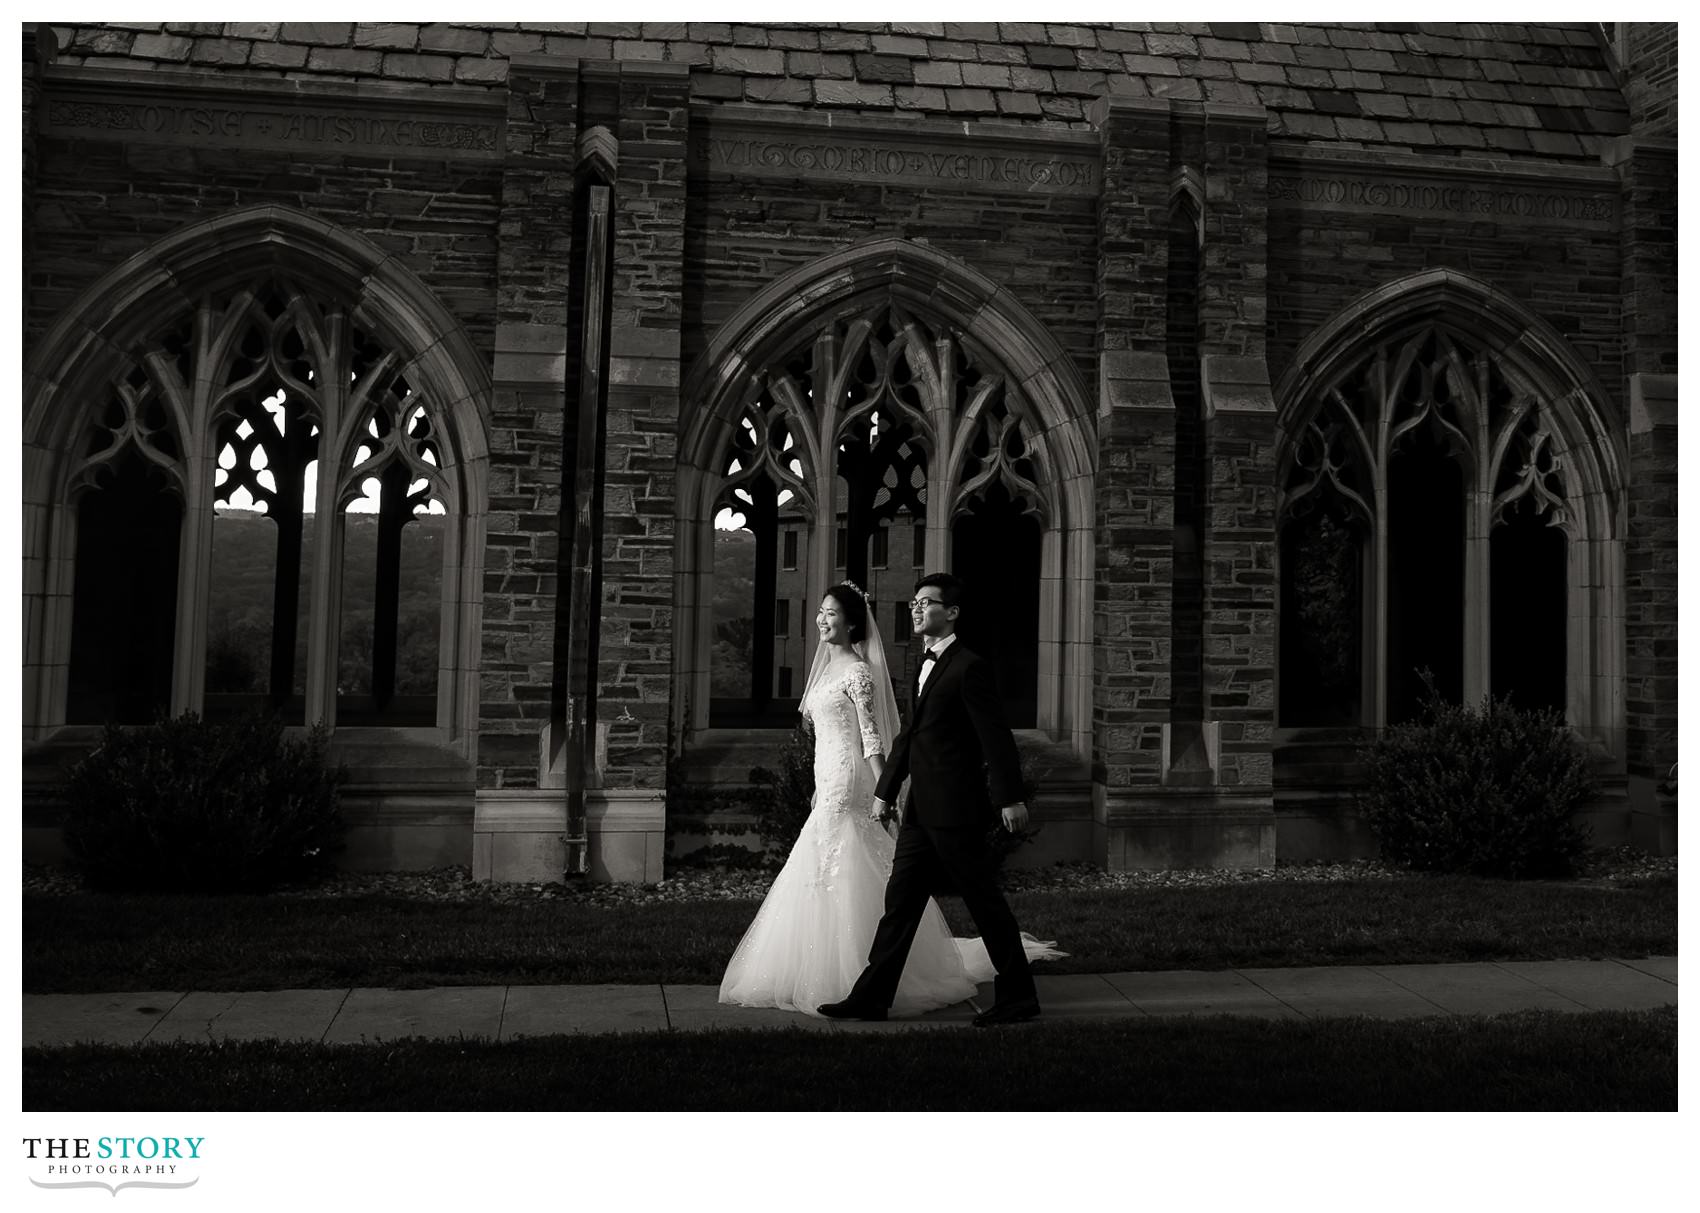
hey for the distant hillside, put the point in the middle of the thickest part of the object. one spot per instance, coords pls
(734, 600)
(239, 625)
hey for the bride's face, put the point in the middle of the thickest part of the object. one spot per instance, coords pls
(830, 623)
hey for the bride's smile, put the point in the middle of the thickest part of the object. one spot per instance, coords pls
(829, 622)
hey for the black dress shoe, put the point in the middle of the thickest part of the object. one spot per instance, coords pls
(853, 1010)
(1014, 1011)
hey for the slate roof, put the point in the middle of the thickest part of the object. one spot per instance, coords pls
(1500, 89)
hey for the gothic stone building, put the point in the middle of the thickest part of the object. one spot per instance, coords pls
(504, 396)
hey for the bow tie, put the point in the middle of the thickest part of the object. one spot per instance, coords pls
(929, 655)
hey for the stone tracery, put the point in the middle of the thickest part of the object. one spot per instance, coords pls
(873, 415)
(883, 386)
(1433, 388)
(233, 402)
(1484, 412)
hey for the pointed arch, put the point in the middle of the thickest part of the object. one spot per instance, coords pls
(941, 309)
(923, 280)
(339, 285)
(1497, 322)
(1524, 417)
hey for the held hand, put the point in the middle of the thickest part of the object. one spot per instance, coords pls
(878, 809)
(1015, 817)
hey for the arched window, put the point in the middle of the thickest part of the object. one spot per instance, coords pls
(274, 378)
(186, 546)
(877, 414)
(1436, 518)
(853, 416)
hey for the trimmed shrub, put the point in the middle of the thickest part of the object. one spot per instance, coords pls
(186, 805)
(1489, 790)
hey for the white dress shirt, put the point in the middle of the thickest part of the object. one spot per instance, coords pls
(936, 648)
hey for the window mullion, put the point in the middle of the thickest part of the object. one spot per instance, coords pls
(194, 576)
(325, 589)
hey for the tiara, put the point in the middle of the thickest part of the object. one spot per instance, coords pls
(866, 597)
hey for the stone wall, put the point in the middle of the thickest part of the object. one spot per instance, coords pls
(744, 234)
(1648, 250)
(635, 658)
(1650, 83)
(97, 201)
(1132, 627)
(1323, 254)
(518, 674)
(1651, 592)
(1646, 163)
(1329, 161)
(1239, 532)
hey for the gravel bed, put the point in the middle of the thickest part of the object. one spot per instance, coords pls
(456, 884)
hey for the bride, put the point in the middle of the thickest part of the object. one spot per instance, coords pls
(810, 938)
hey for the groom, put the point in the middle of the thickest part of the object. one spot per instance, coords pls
(955, 739)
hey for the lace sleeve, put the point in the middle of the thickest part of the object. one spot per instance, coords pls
(859, 686)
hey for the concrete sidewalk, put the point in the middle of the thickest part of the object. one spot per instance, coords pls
(508, 1012)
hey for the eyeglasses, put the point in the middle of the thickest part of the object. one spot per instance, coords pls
(921, 604)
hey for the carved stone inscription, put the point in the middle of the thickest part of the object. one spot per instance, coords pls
(1475, 199)
(276, 126)
(841, 156)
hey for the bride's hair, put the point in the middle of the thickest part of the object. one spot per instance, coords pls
(855, 609)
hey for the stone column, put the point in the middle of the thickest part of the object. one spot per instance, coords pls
(1238, 541)
(1135, 487)
(1647, 168)
(517, 825)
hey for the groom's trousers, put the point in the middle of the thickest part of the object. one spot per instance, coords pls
(923, 854)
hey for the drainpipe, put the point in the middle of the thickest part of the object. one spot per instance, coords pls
(582, 605)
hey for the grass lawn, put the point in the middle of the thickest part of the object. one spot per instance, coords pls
(1528, 1061)
(99, 943)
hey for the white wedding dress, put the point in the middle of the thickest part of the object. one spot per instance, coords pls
(810, 938)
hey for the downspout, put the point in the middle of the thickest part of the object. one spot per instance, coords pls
(583, 607)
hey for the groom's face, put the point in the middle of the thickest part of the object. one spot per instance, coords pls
(929, 616)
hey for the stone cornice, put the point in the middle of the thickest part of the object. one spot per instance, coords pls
(368, 117)
(548, 65)
(1627, 147)
(1221, 111)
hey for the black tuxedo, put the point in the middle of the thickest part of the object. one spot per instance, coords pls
(955, 744)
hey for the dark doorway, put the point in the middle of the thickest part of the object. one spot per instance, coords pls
(1529, 586)
(996, 550)
(124, 604)
(1425, 582)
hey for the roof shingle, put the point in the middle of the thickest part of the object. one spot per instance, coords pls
(1431, 86)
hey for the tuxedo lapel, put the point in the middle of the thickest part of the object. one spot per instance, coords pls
(940, 664)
